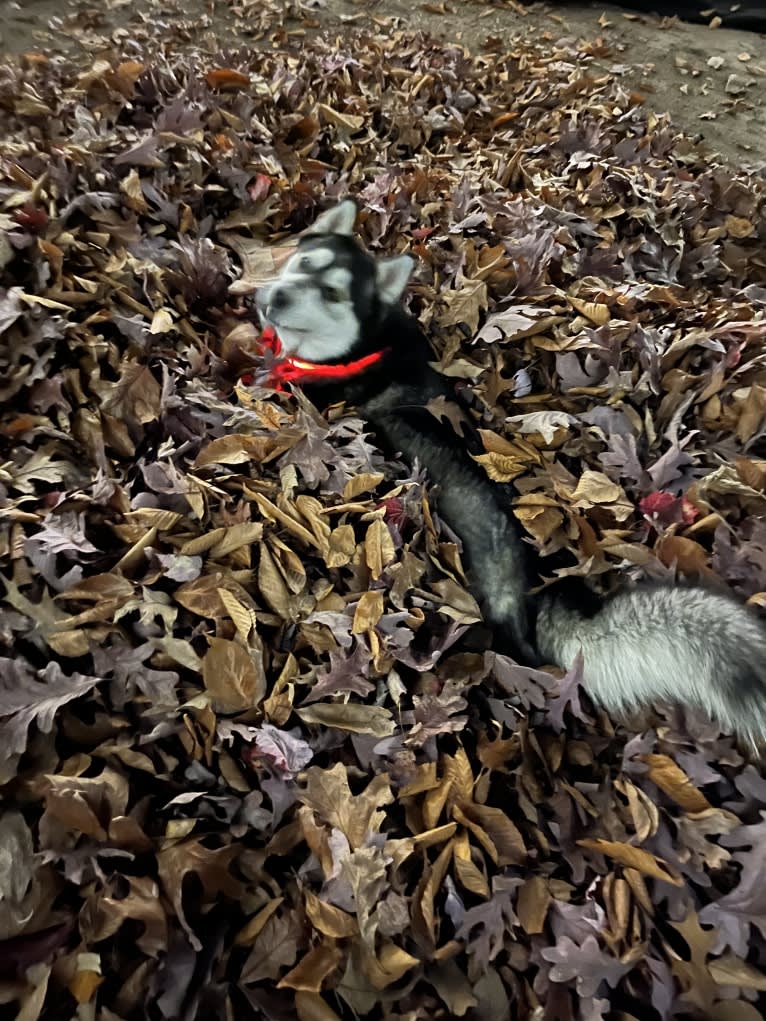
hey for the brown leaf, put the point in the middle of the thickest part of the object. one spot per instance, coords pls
(279, 705)
(378, 547)
(753, 413)
(644, 813)
(226, 78)
(593, 310)
(368, 612)
(328, 919)
(494, 754)
(211, 867)
(497, 834)
(350, 122)
(103, 915)
(359, 719)
(424, 915)
(261, 263)
(238, 448)
(311, 971)
(202, 595)
(618, 903)
(84, 984)
(243, 616)
(595, 488)
(458, 603)
(424, 779)
(311, 1007)
(633, 857)
(693, 971)
(364, 482)
(671, 779)
(135, 398)
(732, 971)
(690, 556)
(341, 546)
(532, 904)
(249, 932)
(734, 1010)
(70, 643)
(466, 872)
(85, 804)
(390, 965)
(233, 676)
(453, 988)
(328, 794)
(435, 801)
(434, 836)
(465, 305)
(275, 948)
(752, 473)
(540, 515)
(162, 322)
(501, 467)
(272, 585)
(458, 776)
(130, 186)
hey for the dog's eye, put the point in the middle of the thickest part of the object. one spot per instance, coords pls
(331, 294)
(305, 263)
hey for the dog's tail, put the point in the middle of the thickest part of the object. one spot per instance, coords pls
(671, 644)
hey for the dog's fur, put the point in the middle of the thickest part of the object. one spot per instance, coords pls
(333, 303)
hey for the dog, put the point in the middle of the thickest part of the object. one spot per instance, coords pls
(342, 329)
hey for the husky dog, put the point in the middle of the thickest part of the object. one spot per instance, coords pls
(339, 308)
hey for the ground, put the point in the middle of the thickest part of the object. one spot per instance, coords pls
(711, 80)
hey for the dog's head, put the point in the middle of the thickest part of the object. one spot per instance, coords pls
(331, 297)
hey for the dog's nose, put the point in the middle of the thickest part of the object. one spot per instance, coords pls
(278, 299)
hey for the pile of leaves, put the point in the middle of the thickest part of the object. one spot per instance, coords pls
(258, 756)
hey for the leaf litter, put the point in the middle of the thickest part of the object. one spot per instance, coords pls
(258, 757)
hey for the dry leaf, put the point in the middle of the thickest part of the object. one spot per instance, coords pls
(225, 77)
(632, 857)
(311, 971)
(671, 779)
(368, 612)
(233, 676)
(378, 547)
(359, 719)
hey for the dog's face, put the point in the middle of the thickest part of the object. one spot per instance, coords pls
(331, 295)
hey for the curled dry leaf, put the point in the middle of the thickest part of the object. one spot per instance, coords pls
(633, 857)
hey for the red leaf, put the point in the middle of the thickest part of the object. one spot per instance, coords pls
(225, 77)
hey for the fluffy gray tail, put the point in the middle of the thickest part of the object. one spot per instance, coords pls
(674, 644)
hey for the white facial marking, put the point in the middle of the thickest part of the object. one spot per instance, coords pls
(310, 325)
(308, 261)
(339, 278)
(322, 337)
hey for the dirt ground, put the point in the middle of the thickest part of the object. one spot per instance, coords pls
(711, 80)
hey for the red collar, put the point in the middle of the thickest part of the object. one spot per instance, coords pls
(296, 370)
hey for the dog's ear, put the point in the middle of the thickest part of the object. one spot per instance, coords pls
(338, 220)
(392, 276)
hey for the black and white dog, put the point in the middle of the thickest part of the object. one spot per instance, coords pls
(338, 308)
